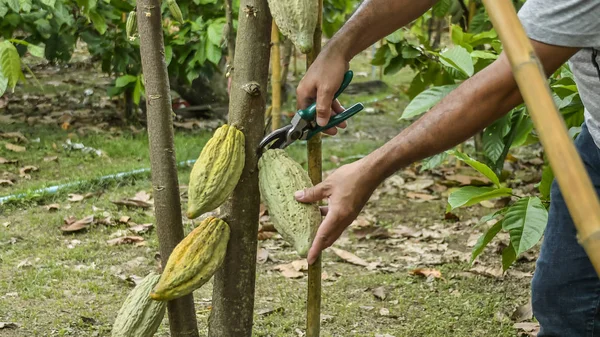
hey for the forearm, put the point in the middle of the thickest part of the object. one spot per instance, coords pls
(467, 110)
(374, 20)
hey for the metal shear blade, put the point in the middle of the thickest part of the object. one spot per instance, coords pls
(277, 139)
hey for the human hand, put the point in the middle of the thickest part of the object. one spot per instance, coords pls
(320, 82)
(348, 189)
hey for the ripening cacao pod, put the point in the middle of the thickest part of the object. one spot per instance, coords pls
(140, 316)
(131, 25)
(217, 171)
(194, 260)
(297, 20)
(175, 10)
(279, 177)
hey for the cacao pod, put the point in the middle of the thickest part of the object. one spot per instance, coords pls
(297, 20)
(217, 171)
(279, 177)
(194, 260)
(175, 10)
(131, 25)
(140, 316)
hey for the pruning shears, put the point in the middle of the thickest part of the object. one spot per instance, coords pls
(303, 125)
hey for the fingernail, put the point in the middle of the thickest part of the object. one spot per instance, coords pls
(299, 194)
(321, 121)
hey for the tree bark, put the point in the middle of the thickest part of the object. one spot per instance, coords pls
(169, 228)
(234, 282)
(315, 169)
(275, 79)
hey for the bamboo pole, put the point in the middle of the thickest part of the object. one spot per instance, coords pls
(315, 169)
(165, 185)
(275, 78)
(575, 184)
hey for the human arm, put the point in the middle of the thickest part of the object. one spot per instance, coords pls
(476, 103)
(373, 20)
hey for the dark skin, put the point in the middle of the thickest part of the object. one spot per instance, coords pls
(475, 104)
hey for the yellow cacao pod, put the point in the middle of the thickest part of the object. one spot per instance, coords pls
(279, 177)
(297, 20)
(217, 171)
(175, 10)
(140, 316)
(194, 260)
(131, 25)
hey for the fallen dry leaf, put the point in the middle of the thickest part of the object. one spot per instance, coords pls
(265, 235)
(106, 221)
(140, 229)
(380, 293)
(24, 171)
(142, 196)
(6, 182)
(124, 219)
(75, 197)
(78, 225)
(288, 271)
(463, 179)
(132, 203)
(52, 207)
(17, 136)
(487, 271)
(137, 240)
(349, 257)
(531, 328)
(7, 161)
(384, 312)
(269, 311)
(51, 158)
(426, 272)
(24, 264)
(418, 185)
(523, 313)
(421, 196)
(15, 148)
(371, 232)
(262, 255)
(300, 265)
(8, 325)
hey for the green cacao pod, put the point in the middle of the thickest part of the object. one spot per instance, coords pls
(175, 10)
(194, 260)
(216, 172)
(131, 25)
(297, 20)
(140, 316)
(279, 177)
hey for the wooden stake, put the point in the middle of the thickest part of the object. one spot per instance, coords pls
(165, 186)
(234, 282)
(575, 184)
(315, 169)
(275, 78)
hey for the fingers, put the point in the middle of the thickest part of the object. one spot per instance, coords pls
(305, 93)
(329, 231)
(324, 210)
(324, 98)
(312, 194)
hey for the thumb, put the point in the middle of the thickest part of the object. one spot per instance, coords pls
(311, 194)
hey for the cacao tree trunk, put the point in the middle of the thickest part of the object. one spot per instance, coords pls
(234, 282)
(275, 79)
(315, 169)
(169, 228)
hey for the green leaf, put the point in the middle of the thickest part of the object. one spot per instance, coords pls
(381, 55)
(37, 51)
(523, 131)
(25, 5)
(396, 64)
(478, 22)
(10, 64)
(493, 138)
(457, 35)
(525, 221)
(482, 54)
(410, 52)
(426, 100)
(124, 80)
(546, 183)
(574, 131)
(99, 22)
(13, 5)
(3, 9)
(508, 257)
(484, 239)
(440, 9)
(3, 84)
(471, 195)
(168, 54)
(480, 167)
(49, 3)
(137, 90)
(395, 37)
(458, 58)
(213, 53)
(215, 32)
(433, 161)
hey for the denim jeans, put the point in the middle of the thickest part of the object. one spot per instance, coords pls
(565, 286)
